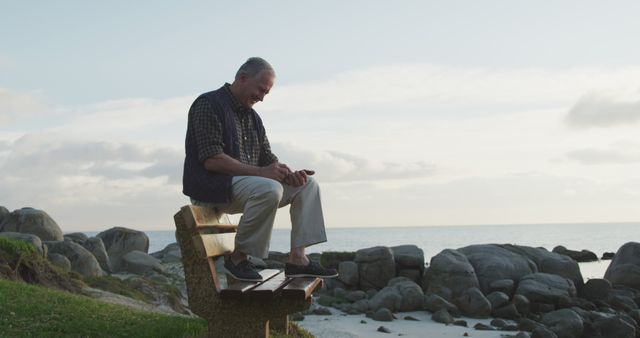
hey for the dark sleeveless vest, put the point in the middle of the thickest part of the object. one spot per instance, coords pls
(199, 183)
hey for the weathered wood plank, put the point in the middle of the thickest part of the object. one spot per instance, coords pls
(238, 288)
(268, 290)
(212, 245)
(210, 218)
(301, 288)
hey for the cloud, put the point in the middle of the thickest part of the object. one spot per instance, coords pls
(597, 110)
(427, 85)
(14, 105)
(619, 153)
(335, 166)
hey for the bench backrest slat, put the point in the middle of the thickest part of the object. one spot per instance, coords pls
(213, 245)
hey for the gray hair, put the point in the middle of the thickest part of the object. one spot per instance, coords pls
(254, 66)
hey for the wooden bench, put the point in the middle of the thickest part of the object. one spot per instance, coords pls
(233, 308)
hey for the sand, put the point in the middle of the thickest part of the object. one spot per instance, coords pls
(339, 325)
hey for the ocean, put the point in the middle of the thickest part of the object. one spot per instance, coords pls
(596, 237)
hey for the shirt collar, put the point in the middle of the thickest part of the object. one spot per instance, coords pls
(237, 107)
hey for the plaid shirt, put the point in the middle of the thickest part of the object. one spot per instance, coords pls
(209, 138)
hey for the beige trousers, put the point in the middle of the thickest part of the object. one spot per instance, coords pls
(258, 198)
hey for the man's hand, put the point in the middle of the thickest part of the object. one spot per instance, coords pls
(298, 178)
(275, 171)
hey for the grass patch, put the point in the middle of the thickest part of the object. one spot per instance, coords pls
(115, 285)
(34, 311)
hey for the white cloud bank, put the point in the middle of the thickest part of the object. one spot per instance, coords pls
(599, 110)
(14, 105)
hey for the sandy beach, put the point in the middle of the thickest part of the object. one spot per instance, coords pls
(340, 325)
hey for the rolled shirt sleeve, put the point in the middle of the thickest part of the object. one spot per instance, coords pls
(207, 129)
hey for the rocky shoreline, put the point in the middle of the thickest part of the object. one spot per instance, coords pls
(528, 291)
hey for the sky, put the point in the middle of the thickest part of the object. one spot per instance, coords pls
(412, 113)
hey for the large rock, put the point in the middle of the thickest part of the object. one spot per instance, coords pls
(348, 273)
(376, 267)
(172, 254)
(29, 238)
(550, 262)
(450, 270)
(32, 221)
(545, 288)
(403, 295)
(408, 256)
(492, 262)
(97, 248)
(596, 289)
(4, 213)
(434, 303)
(78, 237)
(578, 256)
(138, 262)
(60, 261)
(82, 261)
(614, 327)
(625, 266)
(119, 241)
(473, 303)
(565, 323)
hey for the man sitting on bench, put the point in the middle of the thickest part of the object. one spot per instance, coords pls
(229, 166)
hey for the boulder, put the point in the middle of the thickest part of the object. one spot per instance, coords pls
(545, 288)
(348, 273)
(172, 254)
(522, 304)
(550, 262)
(543, 332)
(119, 241)
(376, 267)
(78, 237)
(96, 247)
(82, 261)
(332, 259)
(625, 266)
(60, 261)
(4, 213)
(505, 286)
(138, 262)
(414, 275)
(607, 255)
(442, 316)
(473, 304)
(509, 311)
(408, 256)
(498, 299)
(578, 256)
(596, 289)
(355, 296)
(614, 327)
(400, 296)
(564, 323)
(29, 238)
(492, 262)
(451, 270)
(434, 303)
(32, 221)
(382, 315)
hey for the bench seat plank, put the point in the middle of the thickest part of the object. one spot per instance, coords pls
(268, 289)
(301, 288)
(237, 289)
(212, 245)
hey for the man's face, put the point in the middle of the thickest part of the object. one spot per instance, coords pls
(255, 89)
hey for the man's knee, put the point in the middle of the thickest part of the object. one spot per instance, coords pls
(270, 190)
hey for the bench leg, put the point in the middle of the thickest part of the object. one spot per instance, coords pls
(280, 323)
(238, 327)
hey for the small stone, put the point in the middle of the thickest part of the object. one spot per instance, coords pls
(383, 315)
(460, 322)
(322, 311)
(363, 321)
(411, 318)
(483, 327)
(498, 323)
(466, 334)
(383, 329)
